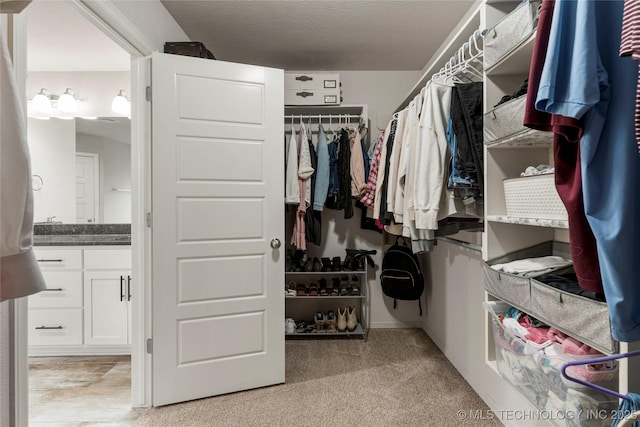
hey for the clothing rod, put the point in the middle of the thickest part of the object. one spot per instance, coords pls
(457, 242)
(337, 117)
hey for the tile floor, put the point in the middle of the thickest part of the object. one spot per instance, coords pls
(80, 391)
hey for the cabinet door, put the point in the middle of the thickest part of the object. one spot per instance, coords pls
(106, 307)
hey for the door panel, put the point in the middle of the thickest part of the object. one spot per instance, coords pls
(216, 159)
(218, 163)
(205, 278)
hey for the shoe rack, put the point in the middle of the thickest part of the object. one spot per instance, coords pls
(303, 307)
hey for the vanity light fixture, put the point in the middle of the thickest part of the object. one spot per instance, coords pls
(67, 102)
(41, 105)
(120, 104)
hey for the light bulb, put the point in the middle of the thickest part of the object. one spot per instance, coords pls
(67, 102)
(41, 104)
(120, 104)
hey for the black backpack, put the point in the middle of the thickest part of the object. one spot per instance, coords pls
(401, 278)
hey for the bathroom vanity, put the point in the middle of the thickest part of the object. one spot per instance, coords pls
(85, 309)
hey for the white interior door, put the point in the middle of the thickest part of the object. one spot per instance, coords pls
(87, 192)
(217, 197)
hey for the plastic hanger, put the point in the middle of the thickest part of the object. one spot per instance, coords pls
(595, 361)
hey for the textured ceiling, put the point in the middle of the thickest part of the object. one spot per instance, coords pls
(321, 35)
(294, 35)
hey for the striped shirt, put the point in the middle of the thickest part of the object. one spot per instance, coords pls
(630, 46)
(369, 196)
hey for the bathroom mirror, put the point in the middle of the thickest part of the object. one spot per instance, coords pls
(84, 170)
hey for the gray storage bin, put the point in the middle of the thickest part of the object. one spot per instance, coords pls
(504, 122)
(510, 32)
(514, 289)
(583, 318)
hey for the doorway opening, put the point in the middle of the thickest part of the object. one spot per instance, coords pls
(81, 377)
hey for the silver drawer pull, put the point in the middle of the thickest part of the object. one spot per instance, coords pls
(53, 290)
(50, 260)
(49, 327)
(304, 94)
(304, 78)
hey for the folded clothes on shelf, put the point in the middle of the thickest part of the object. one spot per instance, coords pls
(532, 266)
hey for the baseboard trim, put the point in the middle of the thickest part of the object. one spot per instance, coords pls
(396, 324)
(79, 351)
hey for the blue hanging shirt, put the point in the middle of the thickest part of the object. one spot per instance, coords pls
(584, 78)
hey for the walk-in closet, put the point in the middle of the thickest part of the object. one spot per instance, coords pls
(344, 212)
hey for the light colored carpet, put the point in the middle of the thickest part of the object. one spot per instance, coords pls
(397, 378)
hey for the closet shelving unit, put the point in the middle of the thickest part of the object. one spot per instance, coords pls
(304, 307)
(332, 302)
(506, 159)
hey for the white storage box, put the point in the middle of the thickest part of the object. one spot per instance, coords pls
(533, 197)
(510, 32)
(312, 89)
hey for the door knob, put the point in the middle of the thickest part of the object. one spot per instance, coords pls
(275, 243)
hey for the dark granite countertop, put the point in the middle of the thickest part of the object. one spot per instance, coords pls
(81, 234)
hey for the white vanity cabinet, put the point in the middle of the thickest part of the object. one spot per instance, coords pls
(107, 296)
(55, 314)
(86, 306)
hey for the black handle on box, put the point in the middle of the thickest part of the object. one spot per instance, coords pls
(304, 94)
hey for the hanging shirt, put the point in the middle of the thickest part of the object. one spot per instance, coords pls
(383, 171)
(358, 183)
(292, 188)
(322, 172)
(566, 158)
(19, 271)
(369, 196)
(584, 78)
(630, 46)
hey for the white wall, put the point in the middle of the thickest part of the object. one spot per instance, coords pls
(382, 91)
(115, 172)
(52, 145)
(152, 19)
(457, 322)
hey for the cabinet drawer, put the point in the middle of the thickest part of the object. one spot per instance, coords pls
(296, 81)
(312, 97)
(58, 259)
(55, 327)
(64, 289)
(101, 259)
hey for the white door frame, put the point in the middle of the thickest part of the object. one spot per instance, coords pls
(96, 182)
(107, 18)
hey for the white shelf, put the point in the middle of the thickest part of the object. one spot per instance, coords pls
(309, 297)
(322, 273)
(536, 222)
(359, 331)
(528, 138)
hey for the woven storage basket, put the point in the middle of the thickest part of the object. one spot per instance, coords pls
(533, 197)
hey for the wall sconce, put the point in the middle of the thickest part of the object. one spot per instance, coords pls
(120, 104)
(44, 105)
(67, 102)
(41, 105)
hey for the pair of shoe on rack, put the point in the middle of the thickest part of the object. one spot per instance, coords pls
(347, 320)
(325, 322)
